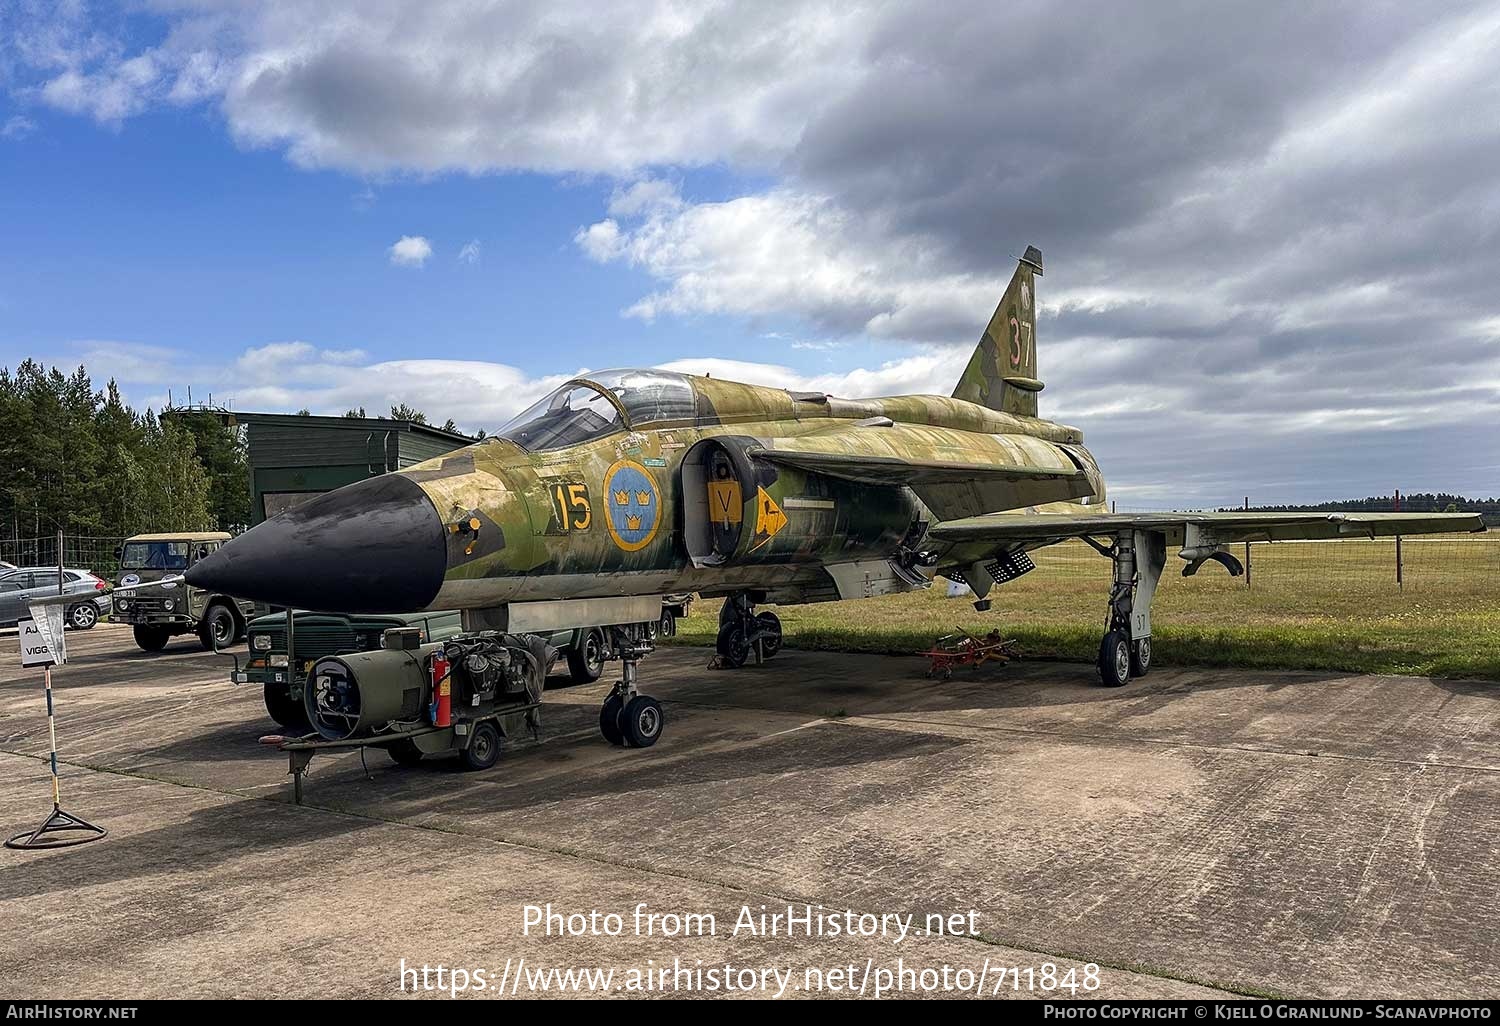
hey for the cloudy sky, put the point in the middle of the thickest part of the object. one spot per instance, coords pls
(1272, 231)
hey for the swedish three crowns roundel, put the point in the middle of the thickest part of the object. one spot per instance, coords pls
(633, 504)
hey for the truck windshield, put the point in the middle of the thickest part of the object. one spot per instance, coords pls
(572, 414)
(156, 555)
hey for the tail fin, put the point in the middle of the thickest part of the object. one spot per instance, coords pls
(1002, 372)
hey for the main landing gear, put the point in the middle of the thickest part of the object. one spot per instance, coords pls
(628, 718)
(1125, 650)
(744, 633)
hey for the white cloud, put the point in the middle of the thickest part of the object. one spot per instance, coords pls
(410, 251)
(470, 253)
(18, 126)
(787, 252)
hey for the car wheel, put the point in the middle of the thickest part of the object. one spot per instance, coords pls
(83, 616)
(217, 629)
(151, 639)
(586, 662)
(484, 747)
(668, 624)
(283, 708)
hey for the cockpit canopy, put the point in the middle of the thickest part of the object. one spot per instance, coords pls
(596, 405)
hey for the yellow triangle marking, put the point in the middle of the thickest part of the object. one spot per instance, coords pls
(769, 519)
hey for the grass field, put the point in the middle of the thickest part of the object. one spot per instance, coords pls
(1318, 605)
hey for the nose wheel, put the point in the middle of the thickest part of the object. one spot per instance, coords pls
(629, 719)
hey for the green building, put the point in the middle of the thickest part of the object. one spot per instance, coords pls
(294, 458)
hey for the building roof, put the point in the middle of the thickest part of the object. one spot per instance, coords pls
(232, 418)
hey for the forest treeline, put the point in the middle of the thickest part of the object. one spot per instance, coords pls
(79, 459)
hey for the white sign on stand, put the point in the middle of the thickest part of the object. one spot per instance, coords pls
(42, 639)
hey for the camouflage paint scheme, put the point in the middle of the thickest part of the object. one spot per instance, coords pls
(832, 493)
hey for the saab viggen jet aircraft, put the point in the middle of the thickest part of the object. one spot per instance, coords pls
(623, 486)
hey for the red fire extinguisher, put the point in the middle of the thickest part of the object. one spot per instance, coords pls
(442, 691)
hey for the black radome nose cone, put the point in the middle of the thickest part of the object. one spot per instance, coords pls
(373, 547)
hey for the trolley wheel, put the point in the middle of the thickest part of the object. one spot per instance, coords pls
(1114, 659)
(484, 747)
(643, 721)
(609, 720)
(407, 753)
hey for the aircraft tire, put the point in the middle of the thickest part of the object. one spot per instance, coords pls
(609, 720)
(770, 637)
(1114, 659)
(732, 646)
(1140, 658)
(643, 721)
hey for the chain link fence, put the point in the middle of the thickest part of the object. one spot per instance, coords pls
(1426, 564)
(1422, 563)
(79, 552)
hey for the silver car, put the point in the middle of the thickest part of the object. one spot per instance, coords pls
(18, 587)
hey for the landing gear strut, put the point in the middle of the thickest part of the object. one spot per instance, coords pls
(1125, 650)
(628, 718)
(744, 633)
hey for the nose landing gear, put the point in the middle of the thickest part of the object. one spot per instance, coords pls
(628, 718)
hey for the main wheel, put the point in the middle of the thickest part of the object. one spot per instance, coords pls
(217, 629)
(1140, 658)
(668, 626)
(283, 708)
(83, 616)
(609, 720)
(1114, 659)
(407, 753)
(151, 639)
(643, 721)
(770, 633)
(732, 646)
(586, 662)
(484, 747)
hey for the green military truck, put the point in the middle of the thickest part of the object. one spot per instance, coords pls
(160, 613)
(317, 635)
